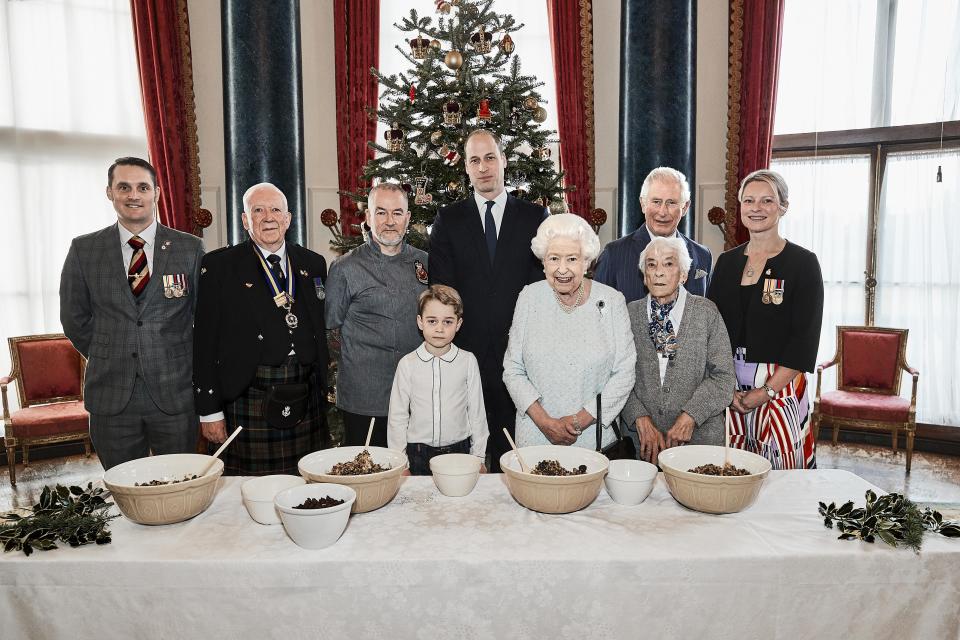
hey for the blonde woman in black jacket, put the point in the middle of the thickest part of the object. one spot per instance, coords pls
(770, 294)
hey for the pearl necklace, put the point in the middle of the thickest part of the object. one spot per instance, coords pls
(576, 303)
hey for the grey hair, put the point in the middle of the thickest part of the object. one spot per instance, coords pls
(262, 185)
(667, 174)
(571, 227)
(773, 179)
(666, 244)
(387, 186)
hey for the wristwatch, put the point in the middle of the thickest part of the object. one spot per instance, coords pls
(770, 392)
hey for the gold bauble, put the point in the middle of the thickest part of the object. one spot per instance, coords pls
(419, 227)
(436, 137)
(529, 103)
(453, 59)
(435, 44)
(558, 206)
(455, 3)
(540, 115)
(443, 7)
(454, 189)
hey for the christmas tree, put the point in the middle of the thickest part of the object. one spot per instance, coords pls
(465, 74)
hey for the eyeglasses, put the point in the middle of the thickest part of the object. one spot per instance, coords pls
(657, 203)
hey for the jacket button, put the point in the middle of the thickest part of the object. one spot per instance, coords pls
(139, 323)
(666, 389)
(134, 354)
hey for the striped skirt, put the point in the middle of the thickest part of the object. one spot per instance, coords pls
(260, 449)
(778, 430)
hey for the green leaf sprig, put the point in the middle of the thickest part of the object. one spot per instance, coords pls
(891, 517)
(72, 515)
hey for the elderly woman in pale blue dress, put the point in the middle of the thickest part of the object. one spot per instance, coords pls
(570, 340)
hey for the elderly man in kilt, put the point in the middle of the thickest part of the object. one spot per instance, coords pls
(260, 352)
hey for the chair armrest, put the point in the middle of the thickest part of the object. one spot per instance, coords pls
(826, 365)
(4, 381)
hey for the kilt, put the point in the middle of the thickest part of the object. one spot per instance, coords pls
(260, 449)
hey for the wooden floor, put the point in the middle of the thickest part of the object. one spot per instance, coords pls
(934, 480)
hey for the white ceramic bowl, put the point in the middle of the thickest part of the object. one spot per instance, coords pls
(554, 494)
(455, 474)
(629, 482)
(712, 494)
(258, 495)
(166, 503)
(374, 489)
(315, 528)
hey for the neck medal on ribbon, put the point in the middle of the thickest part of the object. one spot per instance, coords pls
(283, 299)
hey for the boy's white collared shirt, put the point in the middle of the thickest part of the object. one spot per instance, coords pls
(438, 401)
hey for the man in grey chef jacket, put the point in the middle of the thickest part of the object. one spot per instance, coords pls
(371, 309)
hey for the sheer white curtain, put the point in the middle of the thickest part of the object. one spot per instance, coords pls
(828, 214)
(918, 274)
(532, 46)
(69, 105)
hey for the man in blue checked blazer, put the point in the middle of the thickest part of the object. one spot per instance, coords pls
(127, 296)
(664, 199)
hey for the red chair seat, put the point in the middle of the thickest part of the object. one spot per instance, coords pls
(50, 420)
(865, 406)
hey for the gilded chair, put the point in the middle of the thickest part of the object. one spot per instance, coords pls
(49, 376)
(869, 362)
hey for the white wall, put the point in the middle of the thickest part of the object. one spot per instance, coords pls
(320, 139)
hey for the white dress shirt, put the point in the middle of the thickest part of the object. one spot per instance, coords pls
(148, 235)
(676, 315)
(438, 401)
(499, 206)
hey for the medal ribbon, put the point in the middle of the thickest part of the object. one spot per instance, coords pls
(272, 282)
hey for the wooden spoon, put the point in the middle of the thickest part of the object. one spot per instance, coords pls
(726, 438)
(369, 432)
(523, 465)
(220, 450)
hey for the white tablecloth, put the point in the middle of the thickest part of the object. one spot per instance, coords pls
(429, 566)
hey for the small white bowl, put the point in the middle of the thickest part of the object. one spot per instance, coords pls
(258, 495)
(315, 528)
(629, 482)
(455, 474)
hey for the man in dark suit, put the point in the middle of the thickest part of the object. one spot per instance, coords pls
(260, 353)
(664, 200)
(127, 296)
(481, 247)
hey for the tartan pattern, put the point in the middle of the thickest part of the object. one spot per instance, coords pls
(261, 449)
(419, 455)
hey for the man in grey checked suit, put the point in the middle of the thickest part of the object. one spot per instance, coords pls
(127, 295)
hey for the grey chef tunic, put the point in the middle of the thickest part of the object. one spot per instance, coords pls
(372, 299)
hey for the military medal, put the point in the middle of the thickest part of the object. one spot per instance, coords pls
(283, 299)
(776, 295)
(766, 298)
(421, 271)
(318, 286)
(167, 286)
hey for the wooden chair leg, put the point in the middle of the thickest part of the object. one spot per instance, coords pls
(816, 427)
(12, 463)
(911, 430)
(836, 433)
(26, 455)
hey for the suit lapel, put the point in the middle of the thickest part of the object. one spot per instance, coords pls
(160, 253)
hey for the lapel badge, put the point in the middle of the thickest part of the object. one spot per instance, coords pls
(304, 273)
(421, 271)
(248, 285)
(203, 270)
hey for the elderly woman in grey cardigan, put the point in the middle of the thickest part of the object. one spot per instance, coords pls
(570, 340)
(684, 370)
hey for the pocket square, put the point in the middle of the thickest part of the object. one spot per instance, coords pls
(700, 274)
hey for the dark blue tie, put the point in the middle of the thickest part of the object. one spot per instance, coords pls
(490, 228)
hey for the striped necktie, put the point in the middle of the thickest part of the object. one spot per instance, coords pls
(138, 275)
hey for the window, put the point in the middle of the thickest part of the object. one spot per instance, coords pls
(867, 135)
(69, 105)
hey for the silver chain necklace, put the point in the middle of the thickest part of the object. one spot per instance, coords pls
(576, 303)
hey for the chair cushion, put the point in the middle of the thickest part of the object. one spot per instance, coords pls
(49, 368)
(870, 359)
(49, 420)
(865, 406)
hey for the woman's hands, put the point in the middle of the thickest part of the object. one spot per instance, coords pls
(651, 440)
(681, 431)
(747, 401)
(561, 431)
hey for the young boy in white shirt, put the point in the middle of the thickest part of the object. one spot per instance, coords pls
(436, 404)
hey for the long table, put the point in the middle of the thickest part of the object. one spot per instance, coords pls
(482, 566)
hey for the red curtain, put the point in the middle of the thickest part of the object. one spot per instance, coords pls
(161, 31)
(356, 41)
(571, 37)
(756, 33)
